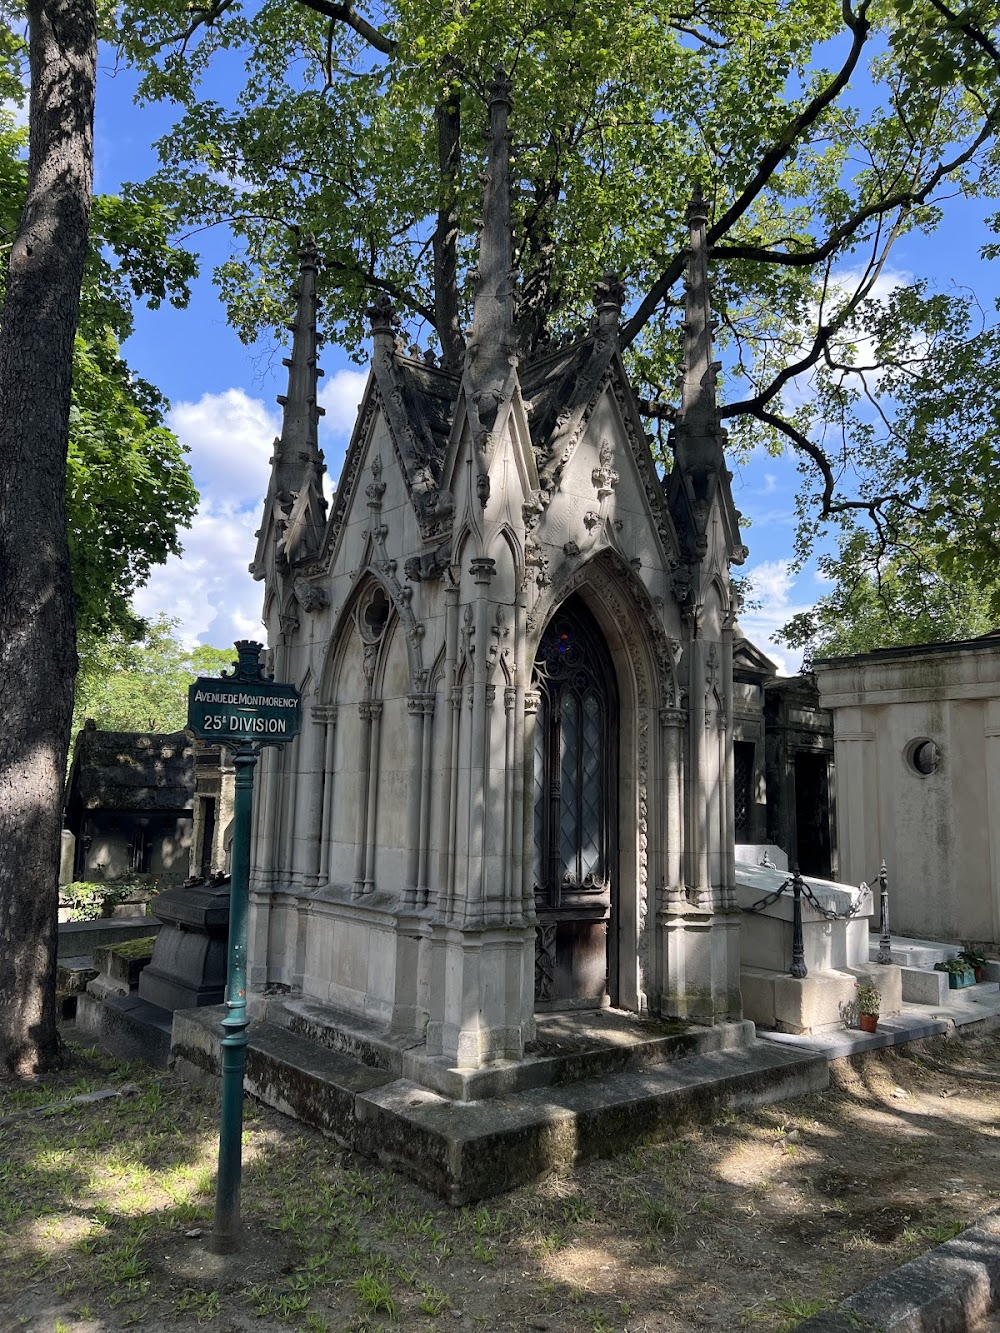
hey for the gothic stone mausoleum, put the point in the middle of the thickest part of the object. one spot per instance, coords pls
(512, 793)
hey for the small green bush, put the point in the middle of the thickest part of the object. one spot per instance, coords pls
(92, 900)
(868, 998)
(973, 958)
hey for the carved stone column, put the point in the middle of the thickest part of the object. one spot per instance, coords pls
(420, 707)
(327, 715)
(371, 811)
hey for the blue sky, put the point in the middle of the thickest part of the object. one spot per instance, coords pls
(224, 410)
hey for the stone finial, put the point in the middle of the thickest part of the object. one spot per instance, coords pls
(383, 317)
(301, 413)
(502, 89)
(609, 297)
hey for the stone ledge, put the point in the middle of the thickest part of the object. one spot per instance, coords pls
(607, 1042)
(948, 1290)
(127, 1026)
(466, 1151)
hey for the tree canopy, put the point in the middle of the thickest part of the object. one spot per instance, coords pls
(126, 685)
(820, 130)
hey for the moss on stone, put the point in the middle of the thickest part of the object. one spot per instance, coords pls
(130, 949)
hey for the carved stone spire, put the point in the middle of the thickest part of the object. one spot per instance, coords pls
(492, 342)
(296, 451)
(698, 436)
(297, 466)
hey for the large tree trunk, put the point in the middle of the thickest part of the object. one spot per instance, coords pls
(37, 642)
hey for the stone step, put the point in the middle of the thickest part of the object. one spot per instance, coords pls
(466, 1151)
(127, 1026)
(568, 1048)
(915, 953)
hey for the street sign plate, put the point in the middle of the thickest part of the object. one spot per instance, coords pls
(234, 711)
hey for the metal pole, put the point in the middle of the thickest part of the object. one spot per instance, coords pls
(226, 1231)
(798, 968)
(885, 936)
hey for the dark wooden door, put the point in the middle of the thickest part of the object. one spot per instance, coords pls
(812, 814)
(574, 813)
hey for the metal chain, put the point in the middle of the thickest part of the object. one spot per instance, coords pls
(828, 912)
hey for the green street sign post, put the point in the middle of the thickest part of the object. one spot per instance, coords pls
(241, 711)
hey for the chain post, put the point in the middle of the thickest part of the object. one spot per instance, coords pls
(885, 935)
(798, 968)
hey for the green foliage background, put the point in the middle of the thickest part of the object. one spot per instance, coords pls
(125, 685)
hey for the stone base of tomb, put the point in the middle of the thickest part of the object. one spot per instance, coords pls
(594, 1084)
(817, 1002)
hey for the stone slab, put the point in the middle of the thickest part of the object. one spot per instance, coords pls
(921, 987)
(123, 961)
(126, 1026)
(469, 1151)
(950, 1289)
(971, 1011)
(77, 938)
(73, 975)
(812, 1004)
(465, 1151)
(907, 952)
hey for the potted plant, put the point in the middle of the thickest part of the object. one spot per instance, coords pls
(960, 974)
(975, 959)
(869, 1003)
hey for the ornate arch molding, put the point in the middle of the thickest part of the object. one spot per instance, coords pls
(620, 590)
(351, 616)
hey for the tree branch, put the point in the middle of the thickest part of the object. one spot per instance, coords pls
(771, 160)
(901, 199)
(392, 289)
(201, 18)
(824, 333)
(346, 13)
(813, 451)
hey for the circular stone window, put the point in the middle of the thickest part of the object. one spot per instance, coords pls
(923, 756)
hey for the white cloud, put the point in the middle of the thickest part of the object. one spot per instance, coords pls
(772, 584)
(230, 436)
(209, 589)
(341, 396)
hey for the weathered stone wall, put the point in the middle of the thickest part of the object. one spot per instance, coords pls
(936, 829)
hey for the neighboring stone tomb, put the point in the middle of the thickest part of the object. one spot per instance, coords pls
(917, 737)
(782, 763)
(129, 803)
(514, 643)
(150, 804)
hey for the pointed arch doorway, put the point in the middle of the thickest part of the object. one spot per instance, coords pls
(575, 814)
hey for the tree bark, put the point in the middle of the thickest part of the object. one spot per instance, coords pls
(37, 639)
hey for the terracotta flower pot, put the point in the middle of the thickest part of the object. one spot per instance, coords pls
(979, 974)
(868, 1022)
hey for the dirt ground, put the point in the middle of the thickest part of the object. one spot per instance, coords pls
(753, 1224)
